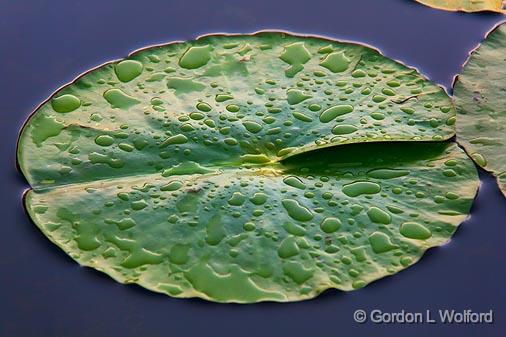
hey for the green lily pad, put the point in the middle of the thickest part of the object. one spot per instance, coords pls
(211, 168)
(481, 104)
(223, 100)
(336, 218)
(466, 5)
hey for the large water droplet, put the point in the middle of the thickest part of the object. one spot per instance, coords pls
(118, 99)
(195, 57)
(336, 62)
(127, 70)
(296, 210)
(380, 243)
(65, 103)
(332, 112)
(413, 230)
(361, 187)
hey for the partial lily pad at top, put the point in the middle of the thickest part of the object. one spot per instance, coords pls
(480, 98)
(227, 99)
(333, 218)
(466, 5)
(247, 168)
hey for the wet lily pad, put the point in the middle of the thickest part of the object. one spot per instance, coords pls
(337, 218)
(466, 5)
(481, 104)
(227, 100)
(211, 168)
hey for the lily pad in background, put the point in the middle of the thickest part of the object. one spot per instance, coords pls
(211, 168)
(480, 93)
(466, 5)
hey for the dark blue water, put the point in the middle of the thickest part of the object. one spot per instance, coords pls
(46, 43)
